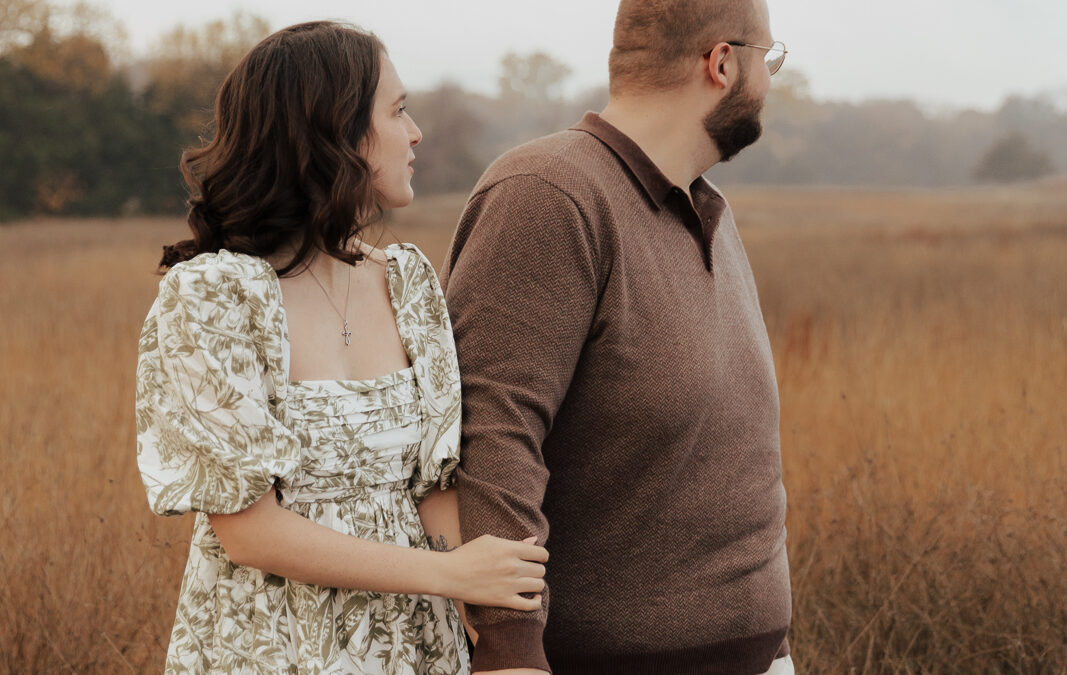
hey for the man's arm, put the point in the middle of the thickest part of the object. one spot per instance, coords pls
(521, 283)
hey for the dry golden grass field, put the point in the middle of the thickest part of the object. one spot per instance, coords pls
(920, 340)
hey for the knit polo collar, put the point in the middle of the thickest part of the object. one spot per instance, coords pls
(657, 185)
(708, 204)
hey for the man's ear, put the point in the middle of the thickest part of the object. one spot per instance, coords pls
(720, 66)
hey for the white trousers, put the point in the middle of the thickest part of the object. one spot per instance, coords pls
(782, 666)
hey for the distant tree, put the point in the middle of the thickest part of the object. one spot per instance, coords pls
(24, 21)
(1018, 112)
(790, 86)
(450, 157)
(593, 98)
(188, 65)
(1012, 158)
(79, 62)
(20, 20)
(530, 102)
(536, 76)
(1040, 118)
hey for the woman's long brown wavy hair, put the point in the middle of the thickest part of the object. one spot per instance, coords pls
(285, 165)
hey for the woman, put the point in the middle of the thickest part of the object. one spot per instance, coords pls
(298, 387)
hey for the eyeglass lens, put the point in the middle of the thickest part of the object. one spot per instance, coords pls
(775, 57)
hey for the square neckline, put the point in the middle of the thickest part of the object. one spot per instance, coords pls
(401, 374)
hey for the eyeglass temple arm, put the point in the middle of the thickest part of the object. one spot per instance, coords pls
(772, 48)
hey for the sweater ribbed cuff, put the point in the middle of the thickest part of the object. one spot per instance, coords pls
(510, 644)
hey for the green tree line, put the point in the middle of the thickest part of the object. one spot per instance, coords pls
(86, 129)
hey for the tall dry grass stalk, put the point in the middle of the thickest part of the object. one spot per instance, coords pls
(921, 346)
(923, 377)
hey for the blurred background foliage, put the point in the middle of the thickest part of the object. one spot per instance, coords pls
(88, 129)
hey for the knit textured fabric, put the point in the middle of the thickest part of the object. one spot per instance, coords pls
(620, 403)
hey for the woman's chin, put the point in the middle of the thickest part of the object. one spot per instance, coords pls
(398, 200)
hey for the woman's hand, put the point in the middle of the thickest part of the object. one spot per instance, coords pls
(493, 572)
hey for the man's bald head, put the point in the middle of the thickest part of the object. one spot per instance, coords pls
(656, 40)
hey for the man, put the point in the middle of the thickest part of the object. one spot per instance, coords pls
(617, 376)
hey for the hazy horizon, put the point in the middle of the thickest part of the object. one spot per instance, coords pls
(953, 54)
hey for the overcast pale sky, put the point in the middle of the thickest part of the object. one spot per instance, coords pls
(955, 53)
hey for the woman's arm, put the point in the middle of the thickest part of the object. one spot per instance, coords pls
(487, 571)
(439, 512)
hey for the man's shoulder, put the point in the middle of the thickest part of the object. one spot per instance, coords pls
(573, 161)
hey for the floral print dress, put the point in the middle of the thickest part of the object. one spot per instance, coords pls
(219, 423)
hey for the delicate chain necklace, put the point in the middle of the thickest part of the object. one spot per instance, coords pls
(344, 316)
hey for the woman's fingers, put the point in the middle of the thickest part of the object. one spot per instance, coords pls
(528, 585)
(526, 604)
(529, 569)
(531, 552)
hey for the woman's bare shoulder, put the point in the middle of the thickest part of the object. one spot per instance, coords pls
(374, 254)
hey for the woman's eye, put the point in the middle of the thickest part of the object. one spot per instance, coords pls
(402, 110)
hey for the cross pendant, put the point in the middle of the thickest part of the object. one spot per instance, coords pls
(347, 333)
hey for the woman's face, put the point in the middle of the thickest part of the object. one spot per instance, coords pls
(392, 136)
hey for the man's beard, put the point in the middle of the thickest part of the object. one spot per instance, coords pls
(734, 124)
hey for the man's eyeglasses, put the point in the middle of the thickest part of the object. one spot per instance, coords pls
(775, 56)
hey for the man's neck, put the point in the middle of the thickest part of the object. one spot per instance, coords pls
(668, 132)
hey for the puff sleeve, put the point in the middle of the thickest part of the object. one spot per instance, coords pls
(427, 332)
(207, 435)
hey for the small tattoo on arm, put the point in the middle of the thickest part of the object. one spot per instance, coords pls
(440, 544)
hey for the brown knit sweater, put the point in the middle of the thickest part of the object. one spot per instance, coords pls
(619, 402)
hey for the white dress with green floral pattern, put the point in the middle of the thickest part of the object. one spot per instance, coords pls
(219, 423)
